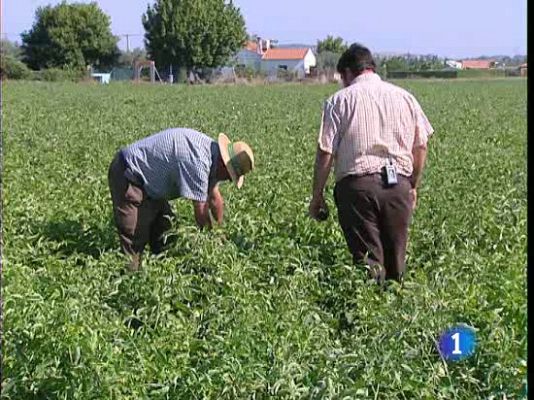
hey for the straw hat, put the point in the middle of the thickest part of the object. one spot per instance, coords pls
(237, 158)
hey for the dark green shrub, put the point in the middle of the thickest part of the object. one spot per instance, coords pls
(12, 68)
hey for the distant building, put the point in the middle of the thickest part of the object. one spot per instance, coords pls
(453, 64)
(250, 55)
(478, 64)
(101, 78)
(297, 60)
(261, 56)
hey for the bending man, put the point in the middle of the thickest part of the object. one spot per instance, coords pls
(170, 164)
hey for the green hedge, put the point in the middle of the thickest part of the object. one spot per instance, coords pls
(450, 74)
(481, 73)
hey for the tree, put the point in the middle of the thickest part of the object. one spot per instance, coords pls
(70, 35)
(127, 58)
(193, 34)
(11, 66)
(10, 49)
(332, 45)
(327, 61)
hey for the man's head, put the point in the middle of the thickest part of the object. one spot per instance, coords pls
(236, 159)
(356, 60)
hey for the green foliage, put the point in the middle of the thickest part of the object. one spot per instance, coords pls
(332, 44)
(59, 75)
(193, 33)
(327, 60)
(269, 305)
(70, 35)
(127, 59)
(10, 49)
(412, 63)
(481, 73)
(11, 68)
(246, 72)
(448, 74)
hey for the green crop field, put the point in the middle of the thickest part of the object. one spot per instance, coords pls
(268, 305)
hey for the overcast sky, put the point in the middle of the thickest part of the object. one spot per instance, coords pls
(450, 28)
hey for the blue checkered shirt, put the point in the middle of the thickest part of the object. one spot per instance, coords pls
(177, 162)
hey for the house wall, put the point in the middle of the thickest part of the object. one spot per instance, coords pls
(248, 59)
(271, 66)
(309, 61)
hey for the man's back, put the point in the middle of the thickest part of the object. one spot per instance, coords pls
(372, 119)
(173, 163)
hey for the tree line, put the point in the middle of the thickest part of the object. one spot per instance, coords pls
(179, 35)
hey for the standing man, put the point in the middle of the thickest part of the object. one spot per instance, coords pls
(173, 163)
(375, 134)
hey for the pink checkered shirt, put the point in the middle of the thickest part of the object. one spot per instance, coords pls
(365, 123)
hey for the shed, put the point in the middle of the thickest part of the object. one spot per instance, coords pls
(298, 60)
(103, 78)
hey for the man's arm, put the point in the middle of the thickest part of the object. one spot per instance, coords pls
(216, 204)
(419, 159)
(323, 164)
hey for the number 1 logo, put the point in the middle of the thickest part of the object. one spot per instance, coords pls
(457, 343)
(456, 338)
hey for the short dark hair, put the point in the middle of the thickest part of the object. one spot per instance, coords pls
(356, 58)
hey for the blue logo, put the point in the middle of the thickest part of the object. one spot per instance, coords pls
(457, 343)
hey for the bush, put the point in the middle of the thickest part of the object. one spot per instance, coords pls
(246, 72)
(60, 75)
(12, 68)
(285, 75)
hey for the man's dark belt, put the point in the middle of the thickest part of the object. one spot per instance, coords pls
(128, 173)
(378, 176)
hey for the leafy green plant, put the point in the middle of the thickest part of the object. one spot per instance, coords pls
(268, 305)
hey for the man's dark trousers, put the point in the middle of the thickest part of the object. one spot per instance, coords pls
(374, 218)
(139, 219)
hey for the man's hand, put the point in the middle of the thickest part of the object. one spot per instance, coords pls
(318, 209)
(202, 214)
(413, 198)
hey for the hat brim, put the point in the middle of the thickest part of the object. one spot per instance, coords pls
(223, 142)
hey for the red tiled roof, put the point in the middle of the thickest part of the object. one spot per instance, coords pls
(477, 64)
(251, 46)
(285, 54)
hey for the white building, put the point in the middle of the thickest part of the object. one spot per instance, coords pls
(102, 78)
(297, 60)
(454, 64)
(261, 56)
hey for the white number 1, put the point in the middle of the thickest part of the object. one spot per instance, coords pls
(456, 338)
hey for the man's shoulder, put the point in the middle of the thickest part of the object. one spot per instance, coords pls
(398, 90)
(340, 95)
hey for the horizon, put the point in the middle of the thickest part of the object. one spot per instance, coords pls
(412, 27)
